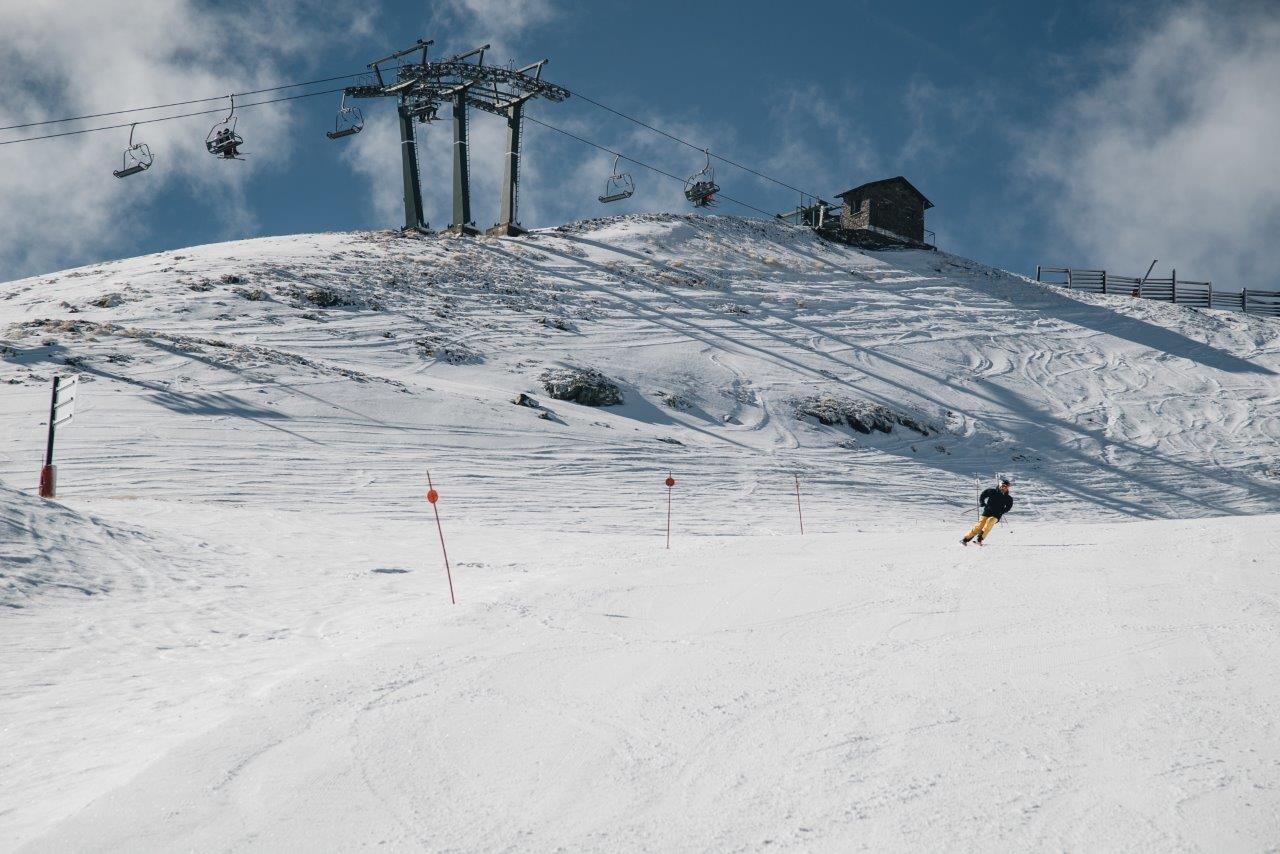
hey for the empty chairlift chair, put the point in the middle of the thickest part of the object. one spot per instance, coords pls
(701, 187)
(223, 141)
(619, 186)
(349, 121)
(137, 158)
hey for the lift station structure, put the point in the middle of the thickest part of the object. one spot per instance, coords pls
(462, 81)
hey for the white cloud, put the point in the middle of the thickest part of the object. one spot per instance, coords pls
(59, 202)
(374, 155)
(823, 148)
(499, 23)
(943, 119)
(1173, 152)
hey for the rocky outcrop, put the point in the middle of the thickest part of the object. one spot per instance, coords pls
(862, 415)
(585, 386)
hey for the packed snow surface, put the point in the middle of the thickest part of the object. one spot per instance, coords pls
(233, 630)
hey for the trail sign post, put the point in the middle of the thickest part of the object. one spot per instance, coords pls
(62, 407)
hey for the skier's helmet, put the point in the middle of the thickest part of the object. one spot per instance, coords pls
(1004, 481)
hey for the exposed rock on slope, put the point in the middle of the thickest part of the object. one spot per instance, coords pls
(585, 386)
(862, 415)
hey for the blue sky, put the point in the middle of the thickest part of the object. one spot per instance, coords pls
(1089, 134)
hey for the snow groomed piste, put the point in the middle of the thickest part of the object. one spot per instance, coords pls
(233, 628)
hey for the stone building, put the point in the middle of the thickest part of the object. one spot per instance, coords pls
(889, 211)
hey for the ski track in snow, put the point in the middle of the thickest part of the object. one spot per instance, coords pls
(230, 632)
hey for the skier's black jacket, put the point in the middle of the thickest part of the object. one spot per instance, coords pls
(995, 503)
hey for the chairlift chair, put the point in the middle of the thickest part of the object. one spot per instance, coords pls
(619, 186)
(223, 141)
(349, 121)
(136, 158)
(701, 187)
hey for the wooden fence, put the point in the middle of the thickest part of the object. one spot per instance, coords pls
(1171, 289)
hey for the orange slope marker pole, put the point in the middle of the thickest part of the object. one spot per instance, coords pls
(434, 497)
(798, 510)
(670, 482)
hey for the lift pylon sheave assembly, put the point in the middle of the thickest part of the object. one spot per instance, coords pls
(137, 158)
(421, 87)
(619, 186)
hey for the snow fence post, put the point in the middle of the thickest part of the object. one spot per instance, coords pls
(433, 497)
(670, 482)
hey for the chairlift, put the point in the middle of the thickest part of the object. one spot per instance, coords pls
(619, 186)
(349, 121)
(136, 158)
(223, 141)
(701, 187)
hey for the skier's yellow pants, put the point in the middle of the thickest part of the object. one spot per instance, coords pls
(984, 526)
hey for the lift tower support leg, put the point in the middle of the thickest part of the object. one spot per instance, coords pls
(409, 167)
(508, 225)
(462, 223)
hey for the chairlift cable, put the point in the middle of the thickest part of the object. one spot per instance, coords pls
(285, 86)
(318, 81)
(170, 118)
(651, 168)
(691, 145)
(182, 103)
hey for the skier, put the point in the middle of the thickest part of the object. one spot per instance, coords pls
(995, 503)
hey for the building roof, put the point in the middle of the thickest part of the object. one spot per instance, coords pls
(872, 184)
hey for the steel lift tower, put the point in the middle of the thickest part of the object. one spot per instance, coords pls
(462, 81)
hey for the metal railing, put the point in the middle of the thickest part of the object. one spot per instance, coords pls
(1168, 289)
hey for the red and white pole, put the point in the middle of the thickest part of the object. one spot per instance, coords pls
(799, 511)
(433, 497)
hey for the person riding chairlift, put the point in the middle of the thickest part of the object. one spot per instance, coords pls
(225, 144)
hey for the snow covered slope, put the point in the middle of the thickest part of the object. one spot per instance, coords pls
(47, 549)
(353, 362)
(1070, 687)
(269, 661)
